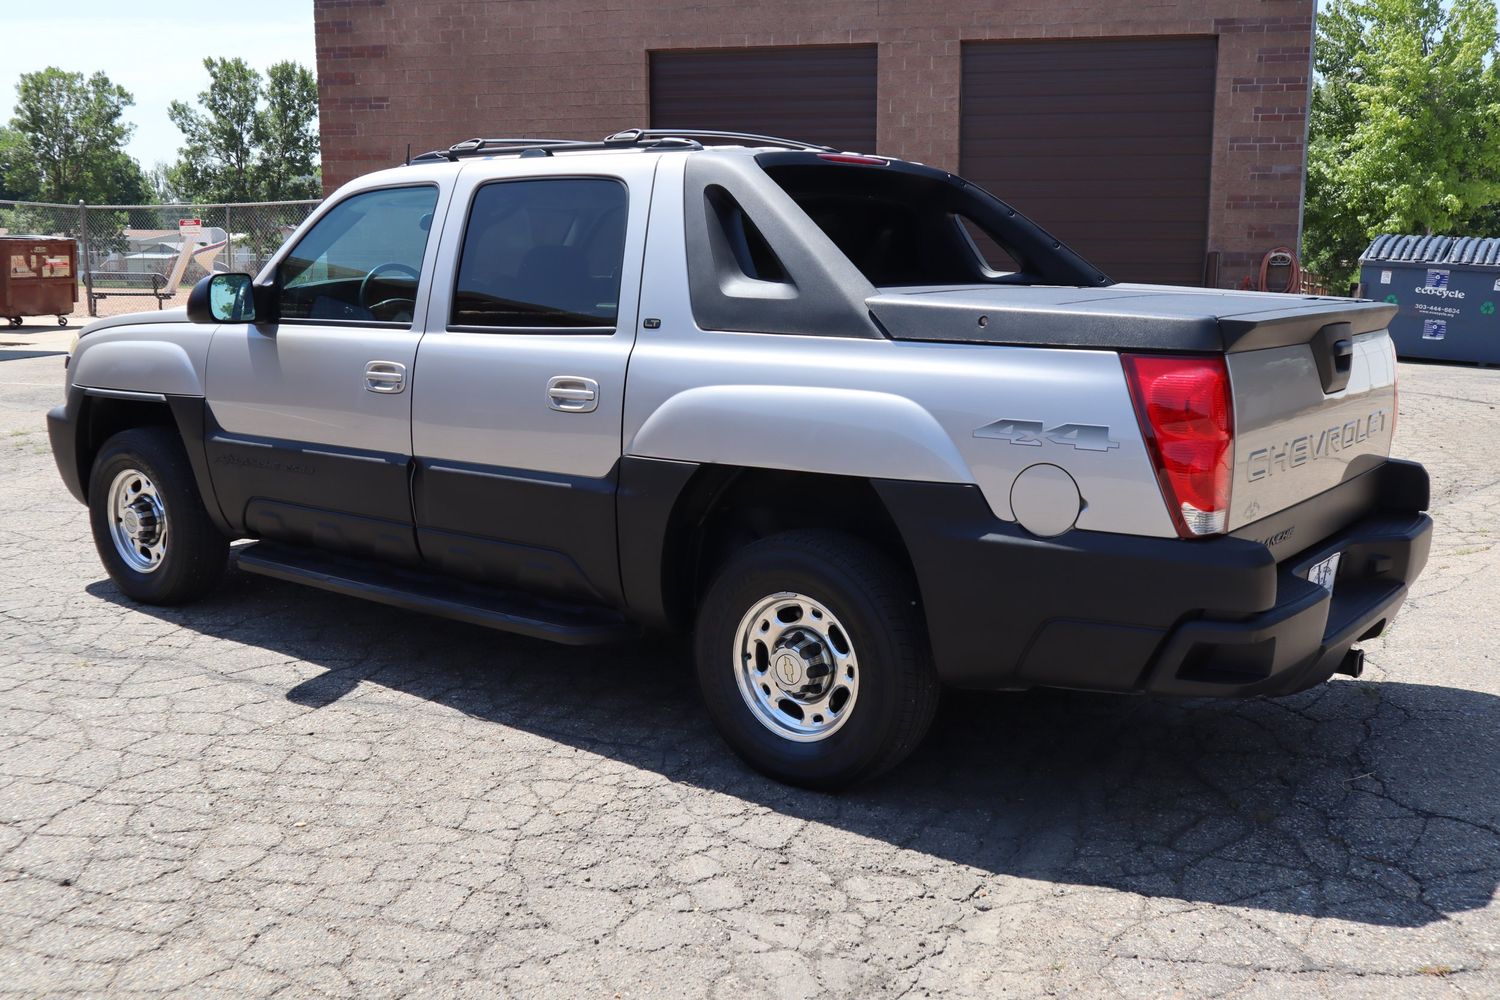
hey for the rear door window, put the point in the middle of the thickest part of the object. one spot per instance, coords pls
(542, 255)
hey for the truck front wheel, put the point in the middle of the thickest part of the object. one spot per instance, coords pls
(813, 660)
(150, 527)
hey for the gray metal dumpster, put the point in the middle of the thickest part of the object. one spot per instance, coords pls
(1448, 289)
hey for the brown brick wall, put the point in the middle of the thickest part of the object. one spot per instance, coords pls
(431, 72)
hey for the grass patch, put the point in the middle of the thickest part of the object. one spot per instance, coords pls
(1470, 550)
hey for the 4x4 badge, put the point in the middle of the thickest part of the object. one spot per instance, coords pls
(1032, 433)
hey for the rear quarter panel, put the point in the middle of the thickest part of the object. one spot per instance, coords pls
(874, 408)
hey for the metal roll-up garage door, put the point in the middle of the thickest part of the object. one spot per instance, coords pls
(1106, 143)
(823, 94)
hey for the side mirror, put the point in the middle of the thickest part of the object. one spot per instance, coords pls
(222, 298)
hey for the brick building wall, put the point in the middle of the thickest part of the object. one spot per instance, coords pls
(431, 72)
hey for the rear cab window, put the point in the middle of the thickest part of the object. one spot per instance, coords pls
(903, 228)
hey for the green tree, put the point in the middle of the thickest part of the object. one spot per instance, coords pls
(287, 165)
(120, 181)
(218, 155)
(1404, 126)
(30, 220)
(18, 180)
(74, 133)
(249, 138)
(159, 181)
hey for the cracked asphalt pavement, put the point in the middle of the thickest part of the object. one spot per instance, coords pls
(284, 793)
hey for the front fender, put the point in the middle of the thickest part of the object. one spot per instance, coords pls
(157, 366)
(840, 432)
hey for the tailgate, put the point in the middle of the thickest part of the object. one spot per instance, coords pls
(1300, 429)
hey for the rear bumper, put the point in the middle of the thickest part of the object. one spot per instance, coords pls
(1104, 612)
(1301, 641)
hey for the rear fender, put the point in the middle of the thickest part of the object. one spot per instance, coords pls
(840, 432)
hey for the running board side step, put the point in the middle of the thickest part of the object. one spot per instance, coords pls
(427, 593)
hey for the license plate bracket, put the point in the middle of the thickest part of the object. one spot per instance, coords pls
(1324, 571)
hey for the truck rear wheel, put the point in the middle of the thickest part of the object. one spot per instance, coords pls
(150, 527)
(813, 659)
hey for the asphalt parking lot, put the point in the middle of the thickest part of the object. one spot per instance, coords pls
(285, 793)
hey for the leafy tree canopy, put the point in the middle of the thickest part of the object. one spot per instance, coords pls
(66, 141)
(159, 181)
(1404, 126)
(18, 180)
(290, 164)
(250, 138)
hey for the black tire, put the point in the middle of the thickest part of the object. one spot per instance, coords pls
(876, 603)
(62, 321)
(196, 553)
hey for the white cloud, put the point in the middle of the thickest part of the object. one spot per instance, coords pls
(157, 55)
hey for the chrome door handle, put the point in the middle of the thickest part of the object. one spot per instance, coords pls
(572, 394)
(385, 376)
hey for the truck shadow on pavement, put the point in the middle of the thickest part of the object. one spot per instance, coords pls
(1372, 802)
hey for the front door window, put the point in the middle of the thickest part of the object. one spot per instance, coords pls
(362, 261)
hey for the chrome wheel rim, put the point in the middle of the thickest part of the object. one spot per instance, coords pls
(137, 521)
(796, 667)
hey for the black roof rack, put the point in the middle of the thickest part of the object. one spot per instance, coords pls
(535, 147)
(644, 138)
(704, 133)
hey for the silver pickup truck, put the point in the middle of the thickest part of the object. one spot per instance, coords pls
(854, 423)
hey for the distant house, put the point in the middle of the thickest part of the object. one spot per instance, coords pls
(157, 249)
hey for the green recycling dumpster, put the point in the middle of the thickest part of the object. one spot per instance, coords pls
(1448, 290)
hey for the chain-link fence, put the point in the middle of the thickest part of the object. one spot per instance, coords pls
(134, 257)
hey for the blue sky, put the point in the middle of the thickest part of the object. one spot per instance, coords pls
(154, 50)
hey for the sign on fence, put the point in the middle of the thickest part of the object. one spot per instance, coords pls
(190, 227)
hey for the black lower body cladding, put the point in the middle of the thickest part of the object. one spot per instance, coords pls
(76, 430)
(1105, 612)
(62, 431)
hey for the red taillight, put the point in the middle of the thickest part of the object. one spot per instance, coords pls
(873, 161)
(1183, 406)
